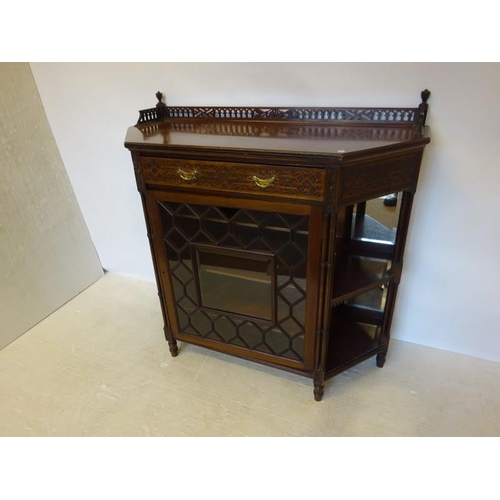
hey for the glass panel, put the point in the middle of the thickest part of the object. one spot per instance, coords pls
(236, 281)
(377, 220)
(374, 300)
(239, 276)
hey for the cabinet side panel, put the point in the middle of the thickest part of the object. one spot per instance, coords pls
(161, 263)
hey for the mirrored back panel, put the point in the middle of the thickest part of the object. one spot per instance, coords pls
(376, 221)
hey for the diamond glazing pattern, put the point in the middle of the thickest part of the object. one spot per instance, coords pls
(285, 236)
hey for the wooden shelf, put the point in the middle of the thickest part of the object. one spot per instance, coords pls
(373, 300)
(350, 340)
(355, 275)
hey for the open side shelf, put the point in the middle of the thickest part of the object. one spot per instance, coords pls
(350, 340)
(355, 275)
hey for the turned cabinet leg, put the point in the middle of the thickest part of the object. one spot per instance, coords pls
(172, 343)
(381, 359)
(319, 390)
(174, 349)
(319, 384)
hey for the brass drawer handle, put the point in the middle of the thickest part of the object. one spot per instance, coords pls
(263, 183)
(187, 176)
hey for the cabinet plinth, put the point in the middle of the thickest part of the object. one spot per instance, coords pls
(278, 234)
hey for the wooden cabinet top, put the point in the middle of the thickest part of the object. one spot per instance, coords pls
(314, 133)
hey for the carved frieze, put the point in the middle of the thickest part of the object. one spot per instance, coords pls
(378, 178)
(281, 181)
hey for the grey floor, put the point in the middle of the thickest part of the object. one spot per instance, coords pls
(99, 366)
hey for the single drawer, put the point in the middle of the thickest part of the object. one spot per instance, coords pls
(286, 182)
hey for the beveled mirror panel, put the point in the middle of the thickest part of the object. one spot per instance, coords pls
(376, 220)
(236, 281)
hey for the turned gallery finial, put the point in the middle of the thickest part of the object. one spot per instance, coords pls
(423, 107)
(161, 107)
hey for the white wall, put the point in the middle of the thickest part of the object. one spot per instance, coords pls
(447, 296)
(46, 253)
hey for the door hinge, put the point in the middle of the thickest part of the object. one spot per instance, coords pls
(326, 265)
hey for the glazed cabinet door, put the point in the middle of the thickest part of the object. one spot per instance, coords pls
(239, 276)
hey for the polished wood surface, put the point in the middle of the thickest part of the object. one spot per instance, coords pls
(281, 191)
(299, 138)
(264, 180)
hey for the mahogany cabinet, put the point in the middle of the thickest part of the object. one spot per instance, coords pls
(278, 234)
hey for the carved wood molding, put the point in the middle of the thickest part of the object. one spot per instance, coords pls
(315, 114)
(294, 182)
(378, 178)
(377, 115)
(136, 160)
(331, 184)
